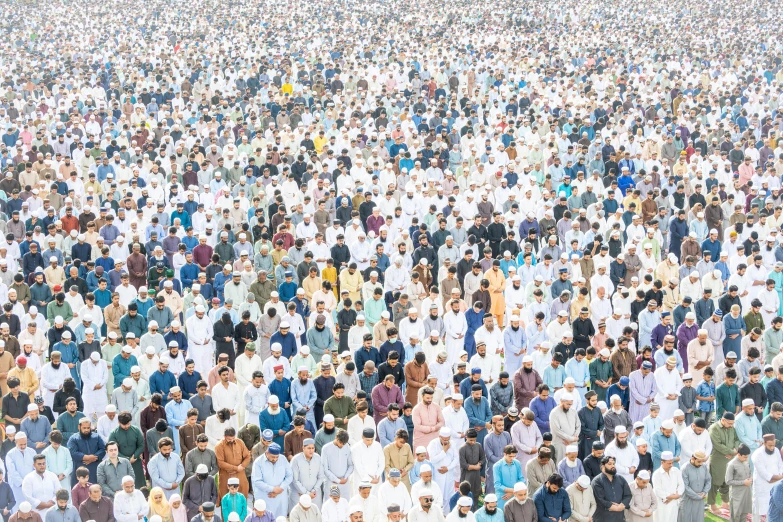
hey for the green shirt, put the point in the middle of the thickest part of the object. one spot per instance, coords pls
(727, 398)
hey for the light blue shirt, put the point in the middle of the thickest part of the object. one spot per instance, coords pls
(506, 475)
(266, 476)
(165, 471)
(748, 430)
(303, 395)
(387, 430)
(177, 415)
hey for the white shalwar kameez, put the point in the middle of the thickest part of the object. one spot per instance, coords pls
(440, 459)
(95, 401)
(764, 467)
(52, 379)
(368, 463)
(668, 383)
(200, 348)
(665, 484)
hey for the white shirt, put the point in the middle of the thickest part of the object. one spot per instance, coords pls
(388, 495)
(225, 396)
(39, 488)
(128, 506)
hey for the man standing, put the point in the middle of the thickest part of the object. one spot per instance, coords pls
(612, 494)
(521, 508)
(642, 390)
(739, 479)
(767, 470)
(166, 470)
(338, 462)
(271, 478)
(668, 487)
(41, 486)
(724, 443)
(444, 461)
(307, 475)
(643, 501)
(552, 501)
(565, 424)
(697, 482)
(494, 446)
(592, 424)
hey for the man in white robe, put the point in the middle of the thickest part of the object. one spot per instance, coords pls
(129, 504)
(456, 420)
(53, 374)
(770, 303)
(668, 487)
(669, 383)
(456, 326)
(694, 438)
(200, 333)
(445, 462)
(368, 461)
(624, 453)
(767, 470)
(95, 375)
(40, 486)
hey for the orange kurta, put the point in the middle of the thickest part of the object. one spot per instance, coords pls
(229, 456)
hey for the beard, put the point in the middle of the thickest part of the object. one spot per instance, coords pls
(461, 514)
(302, 381)
(56, 366)
(623, 444)
(770, 452)
(490, 511)
(329, 431)
(528, 370)
(611, 472)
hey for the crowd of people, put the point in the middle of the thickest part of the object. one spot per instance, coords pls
(434, 261)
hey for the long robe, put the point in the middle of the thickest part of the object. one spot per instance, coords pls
(229, 457)
(641, 387)
(308, 476)
(665, 484)
(441, 458)
(667, 383)
(131, 444)
(471, 454)
(741, 496)
(266, 476)
(764, 467)
(697, 480)
(95, 401)
(525, 440)
(564, 425)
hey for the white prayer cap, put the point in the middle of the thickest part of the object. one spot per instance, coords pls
(520, 486)
(232, 517)
(150, 350)
(110, 408)
(566, 397)
(457, 397)
(748, 402)
(527, 359)
(175, 389)
(644, 475)
(25, 507)
(605, 352)
(641, 442)
(32, 407)
(613, 398)
(260, 505)
(305, 501)
(444, 432)
(425, 468)
(569, 380)
(668, 424)
(127, 382)
(465, 502)
(95, 356)
(573, 448)
(128, 478)
(20, 436)
(490, 498)
(135, 369)
(678, 413)
(202, 468)
(619, 430)
(419, 449)
(273, 399)
(156, 518)
(583, 481)
(667, 455)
